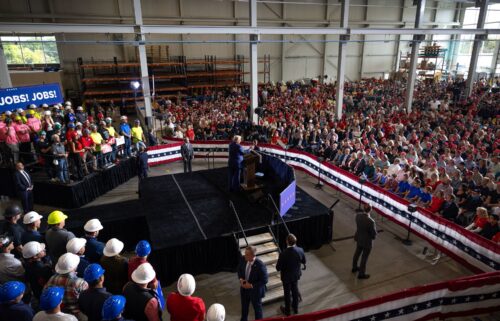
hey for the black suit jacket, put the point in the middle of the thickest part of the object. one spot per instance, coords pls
(258, 278)
(22, 184)
(289, 263)
(366, 231)
(187, 151)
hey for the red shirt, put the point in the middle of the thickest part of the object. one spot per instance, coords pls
(70, 134)
(480, 221)
(86, 141)
(185, 308)
(133, 264)
(496, 238)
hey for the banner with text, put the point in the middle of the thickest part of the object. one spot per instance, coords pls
(22, 97)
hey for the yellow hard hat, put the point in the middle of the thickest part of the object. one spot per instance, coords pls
(56, 217)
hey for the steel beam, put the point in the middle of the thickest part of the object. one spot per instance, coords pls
(412, 72)
(254, 67)
(476, 47)
(143, 60)
(5, 81)
(283, 44)
(241, 30)
(344, 22)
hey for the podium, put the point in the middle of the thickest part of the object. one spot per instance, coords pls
(250, 160)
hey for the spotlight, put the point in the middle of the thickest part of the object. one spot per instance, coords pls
(135, 84)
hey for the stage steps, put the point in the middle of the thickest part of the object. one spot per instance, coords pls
(267, 251)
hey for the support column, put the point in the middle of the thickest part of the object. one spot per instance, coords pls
(494, 60)
(143, 60)
(283, 44)
(5, 81)
(478, 41)
(254, 75)
(344, 22)
(412, 75)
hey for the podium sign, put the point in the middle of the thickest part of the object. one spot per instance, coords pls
(287, 198)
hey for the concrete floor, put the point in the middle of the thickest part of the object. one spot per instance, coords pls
(328, 281)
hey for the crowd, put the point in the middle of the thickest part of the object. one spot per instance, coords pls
(68, 143)
(443, 155)
(58, 276)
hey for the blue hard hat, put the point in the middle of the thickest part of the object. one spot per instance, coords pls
(93, 272)
(143, 248)
(11, 290)
(71, 125)
(113, 306)
(51, 297)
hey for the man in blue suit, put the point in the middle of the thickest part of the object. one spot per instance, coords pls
(289, 264)
(252, 273)
(235, 163)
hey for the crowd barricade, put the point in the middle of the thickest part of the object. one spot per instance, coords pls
(469, 249)
(472, 295)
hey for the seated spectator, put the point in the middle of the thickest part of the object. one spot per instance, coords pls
(403, 187)
(480, 220)
(141, 300)
(450, 209)
(73, 286)
(50, 303)
(493, 199)
(425, 197)
(32, 222)
(491, 229)
(181, 305)
(115, 265)
(77, 246)
(94, 248)
(414, 192)
(472, 202)
(12, 308)
(436, 203)
(369, 170)
(38, 267)
(91, 301)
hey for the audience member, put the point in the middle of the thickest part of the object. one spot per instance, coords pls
(115, 265)
(181, 305)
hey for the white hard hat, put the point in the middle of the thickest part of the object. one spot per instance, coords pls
(93, 225)
(45, 106)
(216, 312)
(68, 107)
(113, 247)
(123, 117)
(47, 113)
(143, 274)
(20, 110)
(57, 106)
(186, 284)
(32, 106)
(68, 262)
(79, 108)
(78, 124)
(32, 248)
(8, 113)
(68, 103)
(75, 245)
(31, 217)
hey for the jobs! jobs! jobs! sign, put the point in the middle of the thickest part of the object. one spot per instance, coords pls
(22, 97)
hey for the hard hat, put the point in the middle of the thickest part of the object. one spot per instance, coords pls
(113, 307)
(32, 106)
(108, 120)
(31, 217)
(68, 262)
(12, 210)
(32, 248)
(17, 118)
(186, 284)
(57, 107)
(11, 290)
(51, 297)
(75, 245)
(79, 108)
(67, 103)
(45, 106)
(137, 121)
(113, 247)
(47, 113)
(93, 272)
(93, 225)
(68, 107)
(31, 112)
(20, 110)
(78, 124)
(5, 240)
(143, 248)
(57, 126)
(71, 125)
(216, 312)
(143, 274)
(8, 113)
(43, 133)
(56, 217)
(123, 117)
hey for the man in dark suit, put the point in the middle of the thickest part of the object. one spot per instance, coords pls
(289, 263)
(252, 273)
(235, 163)
(187, 153)
(142, 166)
(24, 187)
(365, 234)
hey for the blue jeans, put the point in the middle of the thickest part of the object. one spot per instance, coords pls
(128, 143)
(62, 170)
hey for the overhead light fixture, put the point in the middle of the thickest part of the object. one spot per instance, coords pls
(135, 84)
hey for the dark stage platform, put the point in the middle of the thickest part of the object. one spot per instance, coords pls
(191, 226)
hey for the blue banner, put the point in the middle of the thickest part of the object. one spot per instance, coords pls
(287, 198)
(22, 97)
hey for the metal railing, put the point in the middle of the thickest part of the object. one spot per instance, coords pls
(231, 204)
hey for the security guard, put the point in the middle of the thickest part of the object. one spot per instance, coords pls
(94, 247)
(57, 236)
(12, 215)
(32, 222)
(91, 301)
(11, 305)
(38, 266)
(113, 308)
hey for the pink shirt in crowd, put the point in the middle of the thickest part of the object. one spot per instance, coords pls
(23, 133)
(11, 136)
(3, 131)
(34, 123)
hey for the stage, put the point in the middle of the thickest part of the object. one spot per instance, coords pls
(191, 226)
